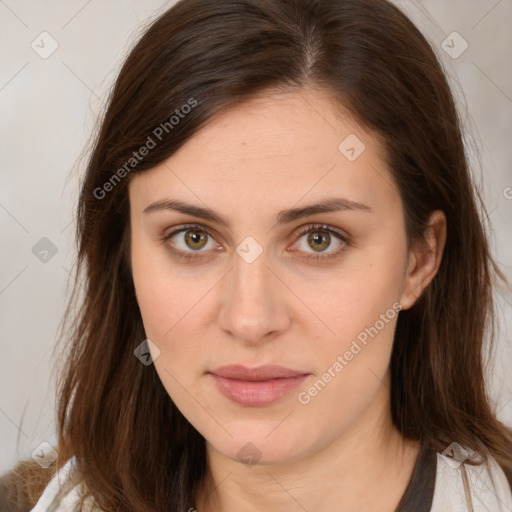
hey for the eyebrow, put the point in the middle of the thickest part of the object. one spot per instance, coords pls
(333, 204)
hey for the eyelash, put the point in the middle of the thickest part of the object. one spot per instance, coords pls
(189, 255)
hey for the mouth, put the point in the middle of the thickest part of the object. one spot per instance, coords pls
(256, 386)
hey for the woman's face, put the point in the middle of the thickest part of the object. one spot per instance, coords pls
(253, 280)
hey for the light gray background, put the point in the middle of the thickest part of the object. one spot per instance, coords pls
(49, 108)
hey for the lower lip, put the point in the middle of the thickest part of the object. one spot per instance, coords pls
(256, 393)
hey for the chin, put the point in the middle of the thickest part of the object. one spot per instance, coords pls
(261, 444)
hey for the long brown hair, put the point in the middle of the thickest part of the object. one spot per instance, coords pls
(135, 450)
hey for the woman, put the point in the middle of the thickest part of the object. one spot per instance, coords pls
(287, 279)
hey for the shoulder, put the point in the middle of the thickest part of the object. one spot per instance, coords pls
(462, 487)
(58, 496)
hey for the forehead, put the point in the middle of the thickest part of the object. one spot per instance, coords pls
(274, 148)
(277, 124)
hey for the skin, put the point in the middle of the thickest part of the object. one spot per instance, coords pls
(340, 451)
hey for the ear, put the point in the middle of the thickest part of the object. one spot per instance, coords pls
(424, 259)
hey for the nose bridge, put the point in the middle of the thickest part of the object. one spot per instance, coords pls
(252, 308)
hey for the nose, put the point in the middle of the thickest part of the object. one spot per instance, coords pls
(254, 309)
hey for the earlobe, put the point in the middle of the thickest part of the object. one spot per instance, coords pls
(424, 259)
(412, 288)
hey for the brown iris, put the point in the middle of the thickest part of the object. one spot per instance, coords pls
(195, 239)
(319, 237)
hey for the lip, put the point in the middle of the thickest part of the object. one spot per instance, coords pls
(258, 386)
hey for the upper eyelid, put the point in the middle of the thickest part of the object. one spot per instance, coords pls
(185, 227)
(322, 227)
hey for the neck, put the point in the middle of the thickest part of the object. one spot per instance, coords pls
(366, 469)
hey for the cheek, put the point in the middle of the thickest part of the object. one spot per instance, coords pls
(173, 308)
(351, 365)
(365, 291)
(360, 305)
(165, 293)
(171, 316)
(167, 307)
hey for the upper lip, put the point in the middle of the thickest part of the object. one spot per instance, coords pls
(260, 373)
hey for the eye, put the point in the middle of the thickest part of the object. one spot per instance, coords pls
(188, 239)
(319, 238)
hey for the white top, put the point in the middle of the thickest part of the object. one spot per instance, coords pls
(488, 489)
